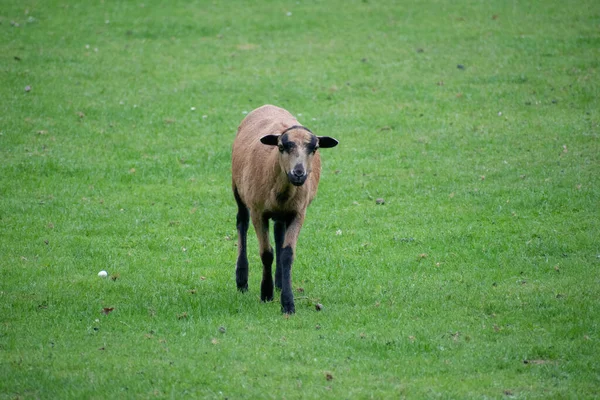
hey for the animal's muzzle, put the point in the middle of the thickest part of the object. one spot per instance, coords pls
(298, 175)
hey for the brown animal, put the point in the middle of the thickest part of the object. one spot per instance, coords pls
(275, 171)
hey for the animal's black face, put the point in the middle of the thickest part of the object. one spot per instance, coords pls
(296, 151)
(297, 147)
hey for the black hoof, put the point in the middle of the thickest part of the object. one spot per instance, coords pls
(266, 299)
(288, 309)
(266, 291)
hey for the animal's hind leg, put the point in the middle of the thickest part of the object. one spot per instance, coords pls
(241, 267)
(279, 232)
(261, 225)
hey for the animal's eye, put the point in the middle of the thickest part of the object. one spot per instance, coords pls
(315, 150)
(281, 149)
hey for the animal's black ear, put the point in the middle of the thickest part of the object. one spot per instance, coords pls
(326, 142)
(270, 140)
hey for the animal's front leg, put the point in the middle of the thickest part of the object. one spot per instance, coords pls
(286, 260)
(261, 225)
(279, 231)
(287, 294)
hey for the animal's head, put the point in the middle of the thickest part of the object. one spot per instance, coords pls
(297, 148)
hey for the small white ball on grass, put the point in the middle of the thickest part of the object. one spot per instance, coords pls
(102, 274)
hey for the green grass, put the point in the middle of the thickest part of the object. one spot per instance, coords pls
(478, 277)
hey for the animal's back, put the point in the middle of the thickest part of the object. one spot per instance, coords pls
(251, 178)
(265, 120)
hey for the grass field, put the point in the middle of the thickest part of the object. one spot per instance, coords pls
(477, 123)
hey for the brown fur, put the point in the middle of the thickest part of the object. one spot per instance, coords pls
(261, 183)
(256, 170)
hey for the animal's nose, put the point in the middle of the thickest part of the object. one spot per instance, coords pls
(298, 170)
